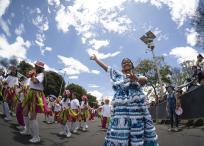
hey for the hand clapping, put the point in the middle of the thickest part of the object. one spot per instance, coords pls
(132, 77)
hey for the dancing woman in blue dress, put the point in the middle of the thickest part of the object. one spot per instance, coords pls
(131, 123)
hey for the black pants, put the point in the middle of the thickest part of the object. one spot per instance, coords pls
(173, 116)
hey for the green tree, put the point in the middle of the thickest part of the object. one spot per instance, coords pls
(92, 100)
(80, 91)
(53, 83)
(178, 76)
(147, 68)
(24, 67)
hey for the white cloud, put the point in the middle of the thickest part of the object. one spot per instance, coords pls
(93, 86)
(38, 10)
(46, 49)
(4, 27)
(41, 22)
(96, 93)
(16, 49)
(20, 30)
(4, 4)
(164, 54)
(184, 53)
(191, 37)
(86, 15)
(48, 68)
(64, 19)
(40, 39)
(160, 35)
(74, 67)
(73, 77)
(179, 10)
(54, 2)
(97, 44)
(118, 25)
(95, 72)
(102, 55)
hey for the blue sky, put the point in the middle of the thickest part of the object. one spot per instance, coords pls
(64, 33)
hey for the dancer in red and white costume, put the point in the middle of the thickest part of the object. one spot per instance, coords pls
(64, 114)
(11, 83)
(75, 108)
(84, 112)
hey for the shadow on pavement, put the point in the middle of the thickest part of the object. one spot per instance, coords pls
(22, 139)
(62, 137)
(13, 126)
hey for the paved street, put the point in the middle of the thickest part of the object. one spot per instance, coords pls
(94, 137)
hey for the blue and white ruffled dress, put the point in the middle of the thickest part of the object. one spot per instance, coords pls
(131, 123)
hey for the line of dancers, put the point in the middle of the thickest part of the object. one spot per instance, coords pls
(68, 112)
(24, 98)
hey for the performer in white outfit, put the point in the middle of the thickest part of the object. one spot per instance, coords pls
(64, 114)
(35, 102)
(11, 83)
(75, 107)
(84, 112)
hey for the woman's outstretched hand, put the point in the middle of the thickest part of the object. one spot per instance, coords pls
(93, 57)
(100, 63)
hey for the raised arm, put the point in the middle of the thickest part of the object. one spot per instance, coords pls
(100, 63)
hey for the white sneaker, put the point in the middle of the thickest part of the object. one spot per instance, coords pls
(68, 134)
(170, 129)
(35, 140)
(86, 126)
(77, 128)
(83, 129)
(75, 131)
(61, 133)
(7, 119)
(25, 132)
(176, 129)
(49, 122)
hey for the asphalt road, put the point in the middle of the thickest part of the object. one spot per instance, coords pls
(9, 136)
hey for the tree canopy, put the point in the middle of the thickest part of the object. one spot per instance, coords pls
(80, 91)
(24, 67)
(146, 67)
(53, 83)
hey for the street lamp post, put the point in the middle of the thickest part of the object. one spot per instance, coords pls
(148, 40)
